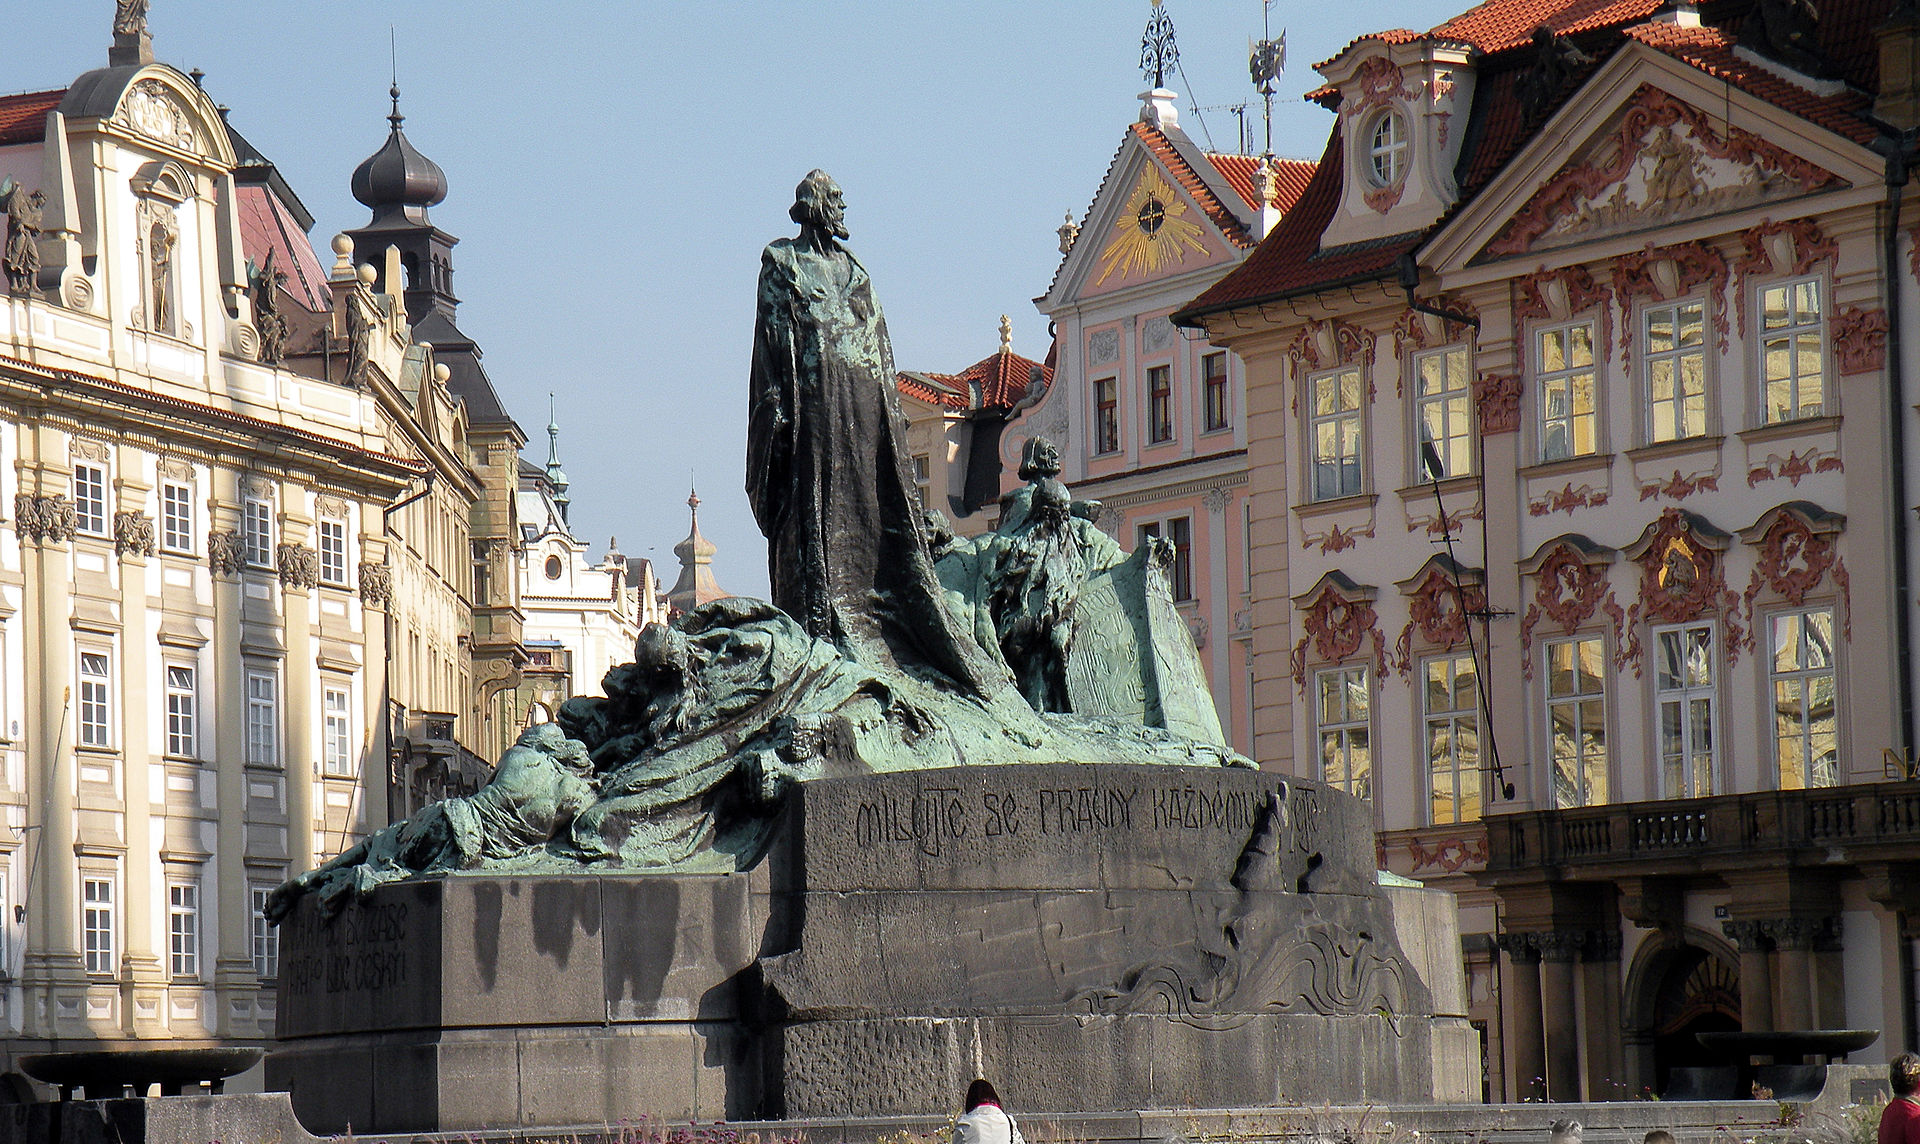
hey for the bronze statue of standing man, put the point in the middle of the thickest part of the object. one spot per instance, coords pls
(827, 472)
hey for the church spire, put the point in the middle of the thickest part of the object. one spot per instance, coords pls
(556, 476)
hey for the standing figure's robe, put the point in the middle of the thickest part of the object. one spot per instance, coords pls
(828, 477)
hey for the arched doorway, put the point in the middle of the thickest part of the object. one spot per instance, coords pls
(1680, 985)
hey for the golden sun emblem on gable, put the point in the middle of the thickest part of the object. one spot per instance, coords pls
(1153, 230)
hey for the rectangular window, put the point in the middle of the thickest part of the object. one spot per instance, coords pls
(1213, 374)
(96, 708)
(1674, 363)
(1452, 710)
(1344, 724)
(1793, 350)
(266, 938)
(176, 517)
(1806, 734)
(96, 924)
(183, 930)
(337, 734)
(181, 728)
(922, 468)
(1577, 720)
(1159, 403)
(1445, 415)
(1565, 379)
(1178, 533)
(1334, 428)
(258, 522)
(263, 719)
(1106, 416)
(333, 551)
(1684, 692)
(90, 499)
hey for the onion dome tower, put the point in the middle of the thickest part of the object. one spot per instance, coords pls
(398, 184)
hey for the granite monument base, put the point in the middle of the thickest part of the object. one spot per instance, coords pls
(1105, 938)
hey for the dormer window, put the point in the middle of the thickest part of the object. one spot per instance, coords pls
(1387, 149)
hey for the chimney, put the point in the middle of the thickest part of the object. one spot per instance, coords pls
(1897, 103)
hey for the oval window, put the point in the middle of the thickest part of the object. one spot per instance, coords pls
(1387, 151)
(553, 567)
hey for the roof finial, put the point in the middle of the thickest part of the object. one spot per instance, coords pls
(393, 91)
(1159, 55)
(1006, 334)
(1068, 232)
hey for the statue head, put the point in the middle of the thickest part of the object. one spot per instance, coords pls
(1039, 458)
(817, 203)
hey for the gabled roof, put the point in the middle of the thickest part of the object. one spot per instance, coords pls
(1290, 261)
(23, 117)
(1711, 51)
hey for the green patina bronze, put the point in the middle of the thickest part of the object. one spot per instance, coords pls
(890, 644)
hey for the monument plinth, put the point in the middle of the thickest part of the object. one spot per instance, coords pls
(1105, 937)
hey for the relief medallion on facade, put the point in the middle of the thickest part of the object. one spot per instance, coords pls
(1798, 552)
(156, 112)
(1571, 587)
(1338, 623)
(1682, 578)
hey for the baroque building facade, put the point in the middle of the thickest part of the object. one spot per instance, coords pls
(1580, 430)
(1149, 422)
(238, 486)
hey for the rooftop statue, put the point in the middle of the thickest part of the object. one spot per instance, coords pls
(890, 645)
(21, 254)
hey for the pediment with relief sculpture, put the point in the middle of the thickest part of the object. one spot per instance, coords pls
(1659, 160)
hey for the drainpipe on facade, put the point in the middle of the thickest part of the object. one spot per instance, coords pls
(386, 668)
(1896, 112)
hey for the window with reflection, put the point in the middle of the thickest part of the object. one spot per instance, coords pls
(1684, 686)
(1793, 350)
(1443, 392)
(1452, 710)
(1566, 384)
(1806, 737)
(1343, 723)
(1334, 428)
(1577, 720)
(1673, 360)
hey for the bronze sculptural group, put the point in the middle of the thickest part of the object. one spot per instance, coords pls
(889, 644)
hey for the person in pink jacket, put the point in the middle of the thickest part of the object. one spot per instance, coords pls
(984, 1121)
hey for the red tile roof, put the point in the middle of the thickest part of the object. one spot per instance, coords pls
(1290, 260)
(1711, 50)
(1001, 379)
(266, 224)
(23, 117)
(1239, 170)
(1498, 25)
(1224, 220)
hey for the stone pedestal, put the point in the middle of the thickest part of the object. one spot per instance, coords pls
(1098, 937)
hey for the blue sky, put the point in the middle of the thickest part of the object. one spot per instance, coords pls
(616, 168)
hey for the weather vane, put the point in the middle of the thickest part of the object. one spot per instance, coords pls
(1159, 55)
(1265, 62)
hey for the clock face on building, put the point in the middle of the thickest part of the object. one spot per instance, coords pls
(1154, 229)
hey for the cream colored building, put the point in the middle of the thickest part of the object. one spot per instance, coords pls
(581, 617)
(206, 560)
